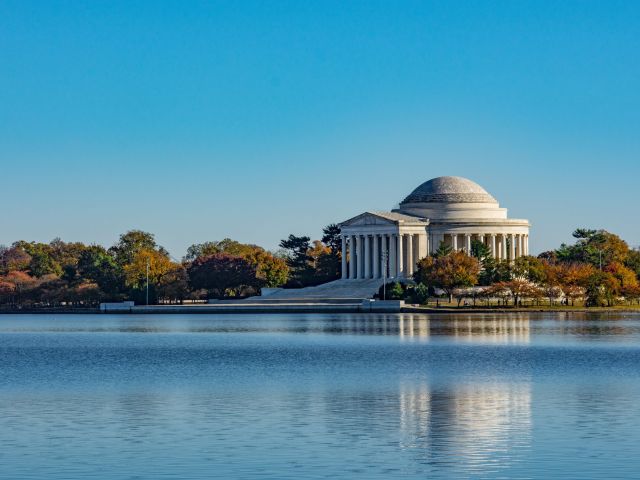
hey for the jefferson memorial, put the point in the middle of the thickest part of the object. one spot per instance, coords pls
(450, 211)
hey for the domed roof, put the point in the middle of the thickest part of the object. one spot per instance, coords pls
(449, 190)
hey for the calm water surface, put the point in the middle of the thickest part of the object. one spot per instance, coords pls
(319, 396)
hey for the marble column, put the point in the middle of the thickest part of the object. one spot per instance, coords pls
(383, 248)
(503, 254)
(367, 256)
(358, 252)
(409, 267)
(526, 244)
(467, 238)
(376, 257)
(352, 257)
(521, 245)
(512, 253)
(454, 241)
(344, 257)
(393, 250)
(422, 248)
(400, 257)
(493, 246)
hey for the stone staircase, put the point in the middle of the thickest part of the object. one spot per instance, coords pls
(338, 291)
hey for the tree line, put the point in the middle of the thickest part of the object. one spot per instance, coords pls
(74, 274)
(598, 269)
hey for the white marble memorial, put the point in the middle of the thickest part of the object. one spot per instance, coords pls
(452, 211)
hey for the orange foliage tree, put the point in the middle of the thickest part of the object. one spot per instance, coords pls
(449, 272)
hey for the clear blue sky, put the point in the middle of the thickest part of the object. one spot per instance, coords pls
(252, 120)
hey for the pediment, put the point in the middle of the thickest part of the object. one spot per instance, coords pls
(367, 218)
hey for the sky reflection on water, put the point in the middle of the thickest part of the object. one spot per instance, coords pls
(351, 396)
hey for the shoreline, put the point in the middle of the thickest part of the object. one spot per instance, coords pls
(310, 309)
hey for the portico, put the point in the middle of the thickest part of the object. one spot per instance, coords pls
(382, 245)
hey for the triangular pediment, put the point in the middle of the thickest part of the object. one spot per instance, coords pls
(379, 218)
(367, 218)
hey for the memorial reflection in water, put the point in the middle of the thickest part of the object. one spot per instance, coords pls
(468, 423)
(485, 328)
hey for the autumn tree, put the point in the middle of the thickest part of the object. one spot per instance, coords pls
(22, 283)
(624, 276)
(7, 290)
(13, 258)
(223, 274)
(631, 294)
(551, 280)
(153, 262)
(573, 279)
(174, 284)
(519, 288)
(271, 270)
(455, 270)
(132, 242)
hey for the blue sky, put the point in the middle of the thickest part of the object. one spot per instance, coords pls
(252, 120)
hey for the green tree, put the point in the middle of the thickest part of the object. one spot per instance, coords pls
(222, 274)
(201, 250)
(332, 239)
(597, 247)
(131, 243)
(633, 261)
(97, 265)
(595, 291)
(529, 268)
(42, 259)
(396, 292)
(421, 293)
(42, 263)
(443, 250)
(480, 251)
(298, 259)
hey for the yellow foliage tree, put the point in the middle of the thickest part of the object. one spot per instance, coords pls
(136, 271)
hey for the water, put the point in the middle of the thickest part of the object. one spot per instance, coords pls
(319, 396)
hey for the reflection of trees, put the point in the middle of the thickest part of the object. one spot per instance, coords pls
(473, 426)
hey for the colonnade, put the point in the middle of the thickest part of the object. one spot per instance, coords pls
(503, 246)
(382, 255)
(395, 255)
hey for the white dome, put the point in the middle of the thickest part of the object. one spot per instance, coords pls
(449, 190)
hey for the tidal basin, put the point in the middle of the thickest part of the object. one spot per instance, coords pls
(538, 395)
